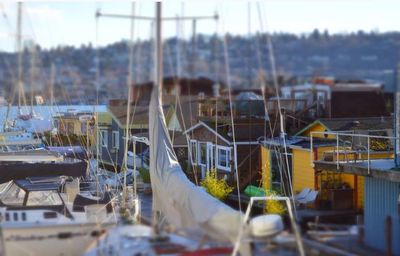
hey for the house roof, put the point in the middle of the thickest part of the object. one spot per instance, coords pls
(177, 138)
(352, 124)
(298, 142)
(244, 131)
(139, 115)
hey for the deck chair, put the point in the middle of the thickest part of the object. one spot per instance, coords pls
(303, 194)
(310, 198)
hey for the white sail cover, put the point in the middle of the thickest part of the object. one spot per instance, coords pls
(179, 200)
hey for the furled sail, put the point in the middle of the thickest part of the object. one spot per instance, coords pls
(179, 200)
(183, 204)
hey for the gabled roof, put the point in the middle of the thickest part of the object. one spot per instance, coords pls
(139, 115)
(202, 124)
(352, 124)
(244, 132)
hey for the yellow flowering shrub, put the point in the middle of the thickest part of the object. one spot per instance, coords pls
(274, 206)
(214, 186)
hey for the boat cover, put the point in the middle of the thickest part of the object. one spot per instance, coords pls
(23, 170)
(183, 203)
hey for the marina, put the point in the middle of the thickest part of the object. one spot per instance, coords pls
(179, 153)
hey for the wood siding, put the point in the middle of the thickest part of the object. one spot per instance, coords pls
(303, 173)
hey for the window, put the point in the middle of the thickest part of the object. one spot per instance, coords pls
(104, 138)
(14, 197)
(15, 216)
(84, 128)
(49, 215)
(36, 198)
(24, 216)
(202, 153)
(115, 139)
(193, 152)
(223, 158)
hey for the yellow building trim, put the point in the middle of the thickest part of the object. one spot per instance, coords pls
(266, 168)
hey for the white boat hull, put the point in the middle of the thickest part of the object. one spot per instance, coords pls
(70, 239)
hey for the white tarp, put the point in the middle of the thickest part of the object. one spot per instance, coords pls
(179, 200)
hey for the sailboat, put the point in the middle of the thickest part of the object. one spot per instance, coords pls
(48, 216)
(24, 122)
(181, 203)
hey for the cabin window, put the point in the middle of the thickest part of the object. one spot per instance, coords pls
(14, 197)
(7, 216)
(15, 215)
(104, 138)
(49, 215)
(23, 216)
(37, 198)
(193, 152)
(202, 153)
(115, 139)
(223, 158)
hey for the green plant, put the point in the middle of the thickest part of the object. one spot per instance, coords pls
(144, 174)
(274, 206)
(214, 186)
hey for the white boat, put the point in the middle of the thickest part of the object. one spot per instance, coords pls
(31, 156)
(37, 219)
(18, 140)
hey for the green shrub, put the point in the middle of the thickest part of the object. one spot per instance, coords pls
(144, 174)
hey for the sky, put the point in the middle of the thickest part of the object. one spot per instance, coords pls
(53, 23)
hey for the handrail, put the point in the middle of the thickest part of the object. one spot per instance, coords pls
(338, 134)
(291, 215)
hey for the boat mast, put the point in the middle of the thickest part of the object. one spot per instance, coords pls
(52, 81)
(128, 110)
(32, 73)
(19, 52)
(158, 52)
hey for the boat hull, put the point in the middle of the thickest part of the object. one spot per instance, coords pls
(71, 239)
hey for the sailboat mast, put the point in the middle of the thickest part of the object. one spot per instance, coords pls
(158, 52)
(128, 109)
(32, 73)
(52, 81)
(19, 52)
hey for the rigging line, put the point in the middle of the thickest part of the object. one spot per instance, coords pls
(275, 82)
(128, 110)
(228, 82)
(216, 67)
(249, 81)
(188, 84)
(271, 129)
(178, 78)
(175, 81)
(8, 66)
(96, 119)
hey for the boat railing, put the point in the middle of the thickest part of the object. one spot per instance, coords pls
(246, 219)
(377, 147)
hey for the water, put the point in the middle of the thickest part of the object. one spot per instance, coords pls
(47, 111)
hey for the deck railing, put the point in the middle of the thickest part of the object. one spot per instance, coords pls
(342, 147)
